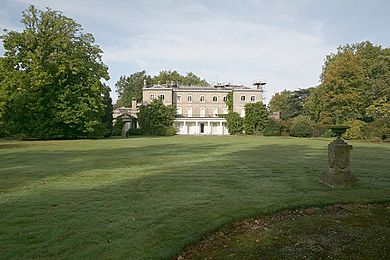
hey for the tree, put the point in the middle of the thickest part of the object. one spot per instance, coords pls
(51, 79)
(234, 123)
(168, 77)
(289, 103)
(256, 118)
(343, 79)
(107, 116)
(156, 118)
(131, 87)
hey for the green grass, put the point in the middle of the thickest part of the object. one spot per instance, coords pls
(150, 197)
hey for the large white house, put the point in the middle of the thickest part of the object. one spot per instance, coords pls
(199, 108)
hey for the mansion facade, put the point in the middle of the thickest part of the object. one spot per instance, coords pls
(199, 108)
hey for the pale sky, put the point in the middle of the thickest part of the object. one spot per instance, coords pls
(282, 42)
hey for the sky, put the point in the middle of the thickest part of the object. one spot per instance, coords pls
(282, 42)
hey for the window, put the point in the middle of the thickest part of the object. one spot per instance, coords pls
(179, 111)
(189, 99)
(162, 97)
(202, 112)
(225, 98)
(242, 114)
(253, 98)
(242, 98)
(215, 111)
(215, 98)
(189, 111)
(178, 99)
(152, 96)
(202, 99)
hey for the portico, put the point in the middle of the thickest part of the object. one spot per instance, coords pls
(201, 126)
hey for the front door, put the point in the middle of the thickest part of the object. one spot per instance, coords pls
(201, 128)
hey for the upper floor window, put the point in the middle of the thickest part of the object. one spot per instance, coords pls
(179, 99)
(225, 98)
(152, 96)
(189, 99)
(253, 98)
(202, 99)
(242, 98)
(225, 110)
(215, 111)
(189, 111)
(202, 112)
(162, 97)
(215, 98)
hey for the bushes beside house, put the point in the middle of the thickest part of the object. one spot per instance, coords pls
(157, 119)
(234, 123)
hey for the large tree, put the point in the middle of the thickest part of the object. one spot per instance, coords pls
(289, 103)
(352, 80)
(168, 77)
(130, 87)
(50, 83)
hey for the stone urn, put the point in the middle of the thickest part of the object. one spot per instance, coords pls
(339, 172)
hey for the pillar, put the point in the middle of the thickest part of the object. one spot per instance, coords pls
(185, 128)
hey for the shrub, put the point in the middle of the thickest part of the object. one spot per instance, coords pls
(134, 131)
(256, 118)
(378, 130)
(156, 118)
(358, 130)
(234, 123)
(328, 134)
(272, 128)
(301, 126)
(118, 127)
(170, 131)
(20, 137)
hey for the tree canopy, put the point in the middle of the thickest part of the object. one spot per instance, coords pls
(50, 79)
(131, 87)
(355, 85)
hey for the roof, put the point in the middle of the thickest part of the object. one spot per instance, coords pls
(223, 87)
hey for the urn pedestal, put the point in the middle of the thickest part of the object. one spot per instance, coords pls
(339, 172)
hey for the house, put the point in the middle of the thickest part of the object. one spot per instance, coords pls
(199, 108)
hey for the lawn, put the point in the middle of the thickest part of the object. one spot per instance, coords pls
(150, 197)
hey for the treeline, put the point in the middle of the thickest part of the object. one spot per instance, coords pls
(50, 80)
(129, 87)
(354, 91)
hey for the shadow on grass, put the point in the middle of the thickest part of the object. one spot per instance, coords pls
(183, 192)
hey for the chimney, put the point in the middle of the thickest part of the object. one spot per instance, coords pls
(144, 83)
